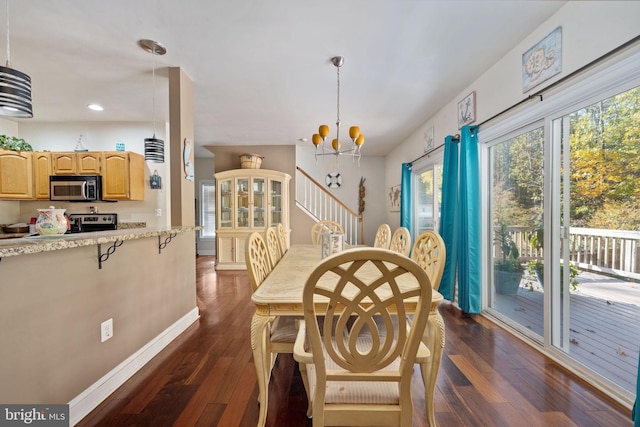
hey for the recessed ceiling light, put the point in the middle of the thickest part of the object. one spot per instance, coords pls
(95, 107)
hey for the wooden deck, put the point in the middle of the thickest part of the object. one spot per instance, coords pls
(603, 330)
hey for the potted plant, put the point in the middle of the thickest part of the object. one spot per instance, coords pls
(14, 144)
(536, 266)
(507, 270)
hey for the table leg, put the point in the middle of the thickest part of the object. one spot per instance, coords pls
(262, 359)
(435, 343)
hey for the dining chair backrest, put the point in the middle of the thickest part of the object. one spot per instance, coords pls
(282, 238)
(273, 245)
(324, 226)
(256, 257)
(383, 237)
(361, 363)
(430, 253)
(401, 241)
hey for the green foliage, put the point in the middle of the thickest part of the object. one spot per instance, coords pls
(510, 255)
(536, 268)
(14, 144)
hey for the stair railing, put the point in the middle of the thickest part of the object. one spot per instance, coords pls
(320, 204)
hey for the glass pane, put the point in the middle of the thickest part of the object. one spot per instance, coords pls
(276, 202)
(258, 202)
(226, 204)
(242, 189)
(208, 209)
(424, 202)
(516, 212)
(599, 188)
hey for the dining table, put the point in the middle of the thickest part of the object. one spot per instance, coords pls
(280, 294)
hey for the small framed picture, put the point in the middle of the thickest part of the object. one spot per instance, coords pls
(467, 110)
(429, 139)
(394, 198)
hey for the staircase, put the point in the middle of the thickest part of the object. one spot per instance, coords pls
(320, 204)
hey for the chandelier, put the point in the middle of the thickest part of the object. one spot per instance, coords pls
(336, 149)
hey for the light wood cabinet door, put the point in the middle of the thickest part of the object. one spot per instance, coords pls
(42, 169)
(88, 163)
(63, 163)
(122, 176)
(16, 175)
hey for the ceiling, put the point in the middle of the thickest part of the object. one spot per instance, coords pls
(262, 71)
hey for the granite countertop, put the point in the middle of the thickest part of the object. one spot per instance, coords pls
(36, 244)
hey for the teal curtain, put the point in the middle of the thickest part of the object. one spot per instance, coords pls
(449, 216)
(469, 255)
(406, 205)
(635, 416)
(460, 221)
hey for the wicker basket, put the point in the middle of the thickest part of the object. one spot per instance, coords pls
(250, 161)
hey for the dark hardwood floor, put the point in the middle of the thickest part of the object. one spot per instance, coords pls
(206, 377)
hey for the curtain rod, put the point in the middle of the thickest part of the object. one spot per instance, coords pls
(539, 94)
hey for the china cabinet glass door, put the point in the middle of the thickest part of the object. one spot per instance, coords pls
(276, 202)
(259, 186)
(226, 204)
(242, 190)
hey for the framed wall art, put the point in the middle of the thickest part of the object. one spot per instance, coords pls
(542, 61)
(394, 198)
(429, 139)
(467, 110)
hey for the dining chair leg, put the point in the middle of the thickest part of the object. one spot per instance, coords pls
(434, 340)
(262, 361)
(305, 382)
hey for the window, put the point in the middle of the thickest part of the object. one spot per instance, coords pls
(208, 208)
(427, 195)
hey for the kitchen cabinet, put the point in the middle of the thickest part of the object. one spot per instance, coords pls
(247, 200)
(122, 175)
(42, 169)
(76, 163)
(16, 175)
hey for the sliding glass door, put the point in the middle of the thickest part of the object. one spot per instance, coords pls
(427, 196)
(595, 249)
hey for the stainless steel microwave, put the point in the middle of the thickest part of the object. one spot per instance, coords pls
(75, 188)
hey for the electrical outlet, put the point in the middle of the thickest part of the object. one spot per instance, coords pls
(106, 329)
(158, 212)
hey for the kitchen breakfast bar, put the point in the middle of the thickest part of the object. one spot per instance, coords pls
(55, 294)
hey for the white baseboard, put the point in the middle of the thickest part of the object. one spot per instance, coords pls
(89, 399)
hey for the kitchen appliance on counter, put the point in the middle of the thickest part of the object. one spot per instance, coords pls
(83, 223)
(75, 188)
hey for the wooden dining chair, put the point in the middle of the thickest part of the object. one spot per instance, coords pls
(282, 238)
(430, 253)
(401, 241)
(383, 237)
(273, 245)
(359, 368)
(283, 330)
(324, 226)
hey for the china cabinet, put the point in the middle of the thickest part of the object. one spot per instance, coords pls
(247, 200)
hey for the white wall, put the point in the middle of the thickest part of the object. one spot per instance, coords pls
(370, 168)
(589, 30)
(98, 136)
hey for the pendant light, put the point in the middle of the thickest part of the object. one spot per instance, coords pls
(153, 147)
(15, 87)
(319, 139)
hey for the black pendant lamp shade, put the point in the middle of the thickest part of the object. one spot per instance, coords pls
(154, 150)
(15, 93)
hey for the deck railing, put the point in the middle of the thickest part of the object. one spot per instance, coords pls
(320, 204)
(614, 252)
